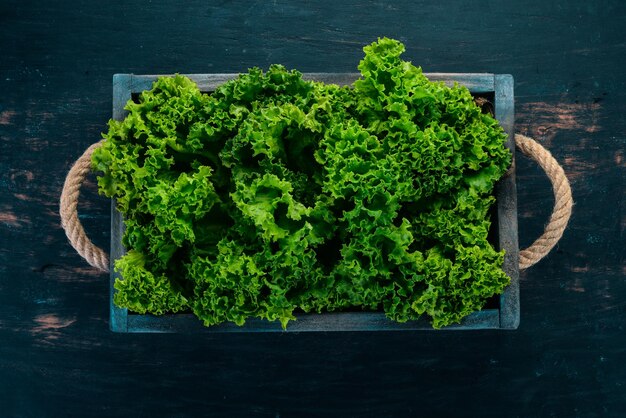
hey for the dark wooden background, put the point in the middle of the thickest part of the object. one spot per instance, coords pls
(57, 355)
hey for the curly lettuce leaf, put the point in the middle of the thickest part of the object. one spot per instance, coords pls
(275, 194)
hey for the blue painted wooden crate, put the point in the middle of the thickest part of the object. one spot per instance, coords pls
(501, 313)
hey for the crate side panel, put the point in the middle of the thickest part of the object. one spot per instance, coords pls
(329, 322)
(475, 82)
(118, 316)
(506, 198)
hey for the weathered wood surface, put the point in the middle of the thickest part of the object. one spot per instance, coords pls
(57, 356)
(506, 314)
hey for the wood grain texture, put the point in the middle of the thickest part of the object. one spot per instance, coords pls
(57, 356)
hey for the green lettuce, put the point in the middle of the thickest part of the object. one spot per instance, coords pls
(274, 195)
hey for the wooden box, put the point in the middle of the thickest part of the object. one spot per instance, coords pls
(501, 313)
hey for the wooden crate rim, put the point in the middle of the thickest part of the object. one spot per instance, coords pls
(475, 82)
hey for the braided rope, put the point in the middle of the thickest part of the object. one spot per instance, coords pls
(69, 216)
(540, 248)
(563, 201)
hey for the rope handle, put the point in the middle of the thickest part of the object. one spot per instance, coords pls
(553, 232)
(74, 230)
(563, 201)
